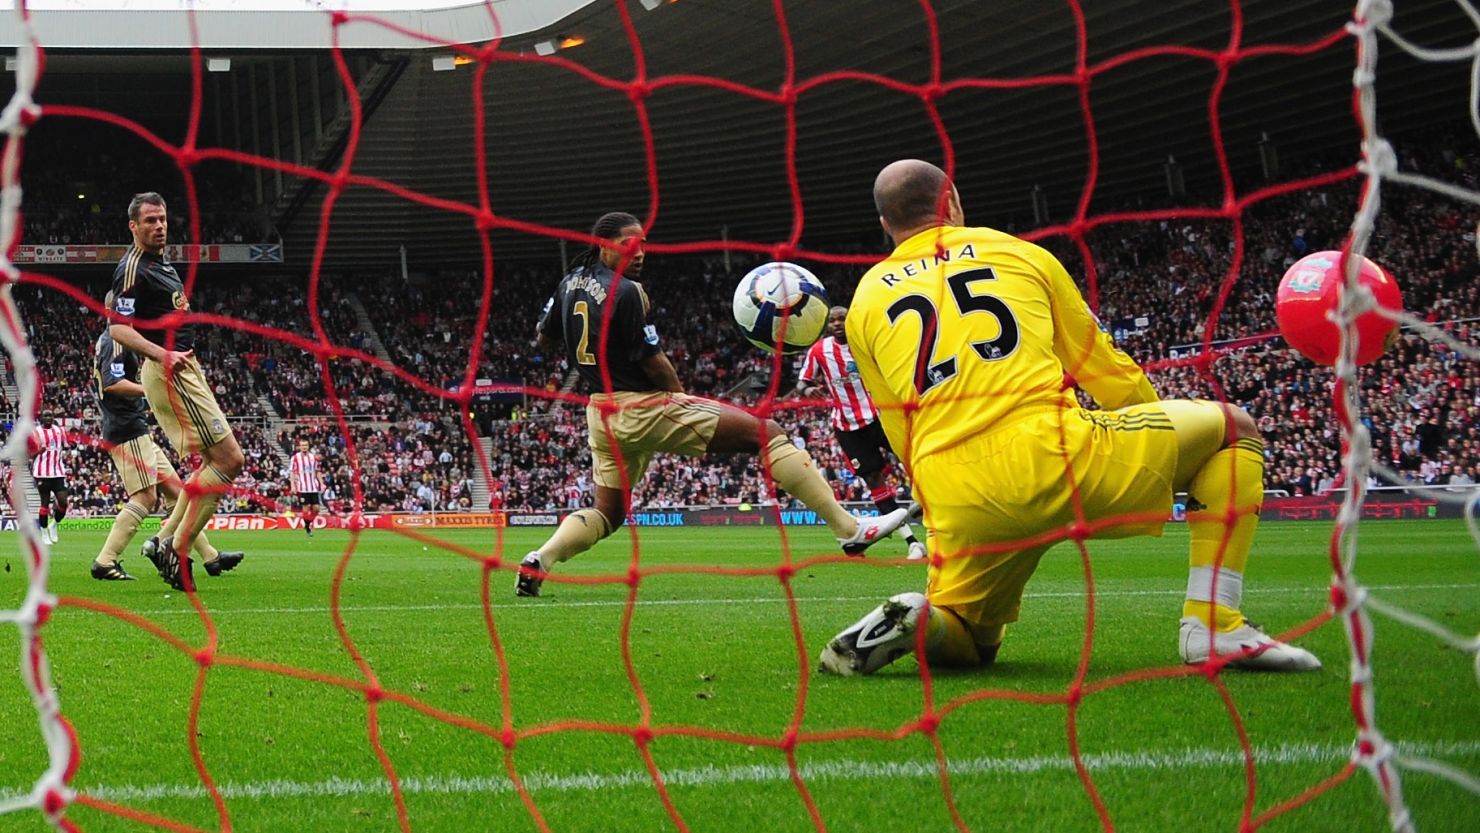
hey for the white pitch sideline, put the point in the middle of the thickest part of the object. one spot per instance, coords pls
(835, 770)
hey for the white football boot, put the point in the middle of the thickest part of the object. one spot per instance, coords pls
(873, 530)
(917, 551)
(1258, 650)
(883, 636)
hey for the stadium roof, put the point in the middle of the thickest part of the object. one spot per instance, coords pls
(276, 24)
(564, 140)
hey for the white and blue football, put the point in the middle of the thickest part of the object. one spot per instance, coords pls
(781, 306)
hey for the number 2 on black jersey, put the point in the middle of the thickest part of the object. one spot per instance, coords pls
(583, 352)
(928, 371)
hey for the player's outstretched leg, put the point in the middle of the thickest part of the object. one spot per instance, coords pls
(580, 531)
(795, 472)
(1225, 494)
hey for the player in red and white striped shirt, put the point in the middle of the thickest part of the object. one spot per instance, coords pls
(49, 470)
(303, 470)
(829, 364)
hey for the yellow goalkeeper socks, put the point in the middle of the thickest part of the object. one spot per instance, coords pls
(794, 471)
(1218, 617)
(580, 531)
(948, 642)
(1232, 478)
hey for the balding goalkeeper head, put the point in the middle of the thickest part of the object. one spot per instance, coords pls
(913, 195)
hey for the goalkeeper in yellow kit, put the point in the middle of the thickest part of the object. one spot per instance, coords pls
(969, 340)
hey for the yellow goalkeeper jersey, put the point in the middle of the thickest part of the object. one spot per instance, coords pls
(964, 329)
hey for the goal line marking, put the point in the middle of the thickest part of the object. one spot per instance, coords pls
(834, 770)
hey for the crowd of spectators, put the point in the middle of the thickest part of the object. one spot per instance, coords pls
(423, 465)
(96, 490)
(68, 204)
(1171, 273)
(411, 462)
(288, 377)
(1156, 284)
(64, 333)
(428, 331)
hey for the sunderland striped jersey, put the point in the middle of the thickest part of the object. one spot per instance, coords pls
(49, 442)
(303, 467)
(831, 362)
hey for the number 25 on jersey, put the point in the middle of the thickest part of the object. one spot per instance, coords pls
(930, 371)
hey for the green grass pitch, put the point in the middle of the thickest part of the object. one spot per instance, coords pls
(717, 654)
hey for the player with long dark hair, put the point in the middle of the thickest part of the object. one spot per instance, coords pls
(638, 407)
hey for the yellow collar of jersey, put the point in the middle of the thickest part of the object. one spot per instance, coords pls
(926, 239)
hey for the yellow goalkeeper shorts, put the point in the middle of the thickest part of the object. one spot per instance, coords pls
(996, 504)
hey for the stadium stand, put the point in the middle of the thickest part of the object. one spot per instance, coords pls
(71, 204)
(1423, 402)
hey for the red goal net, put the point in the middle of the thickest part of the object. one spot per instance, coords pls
(1110, 234)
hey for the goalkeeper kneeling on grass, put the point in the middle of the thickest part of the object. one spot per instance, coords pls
(965, 337)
